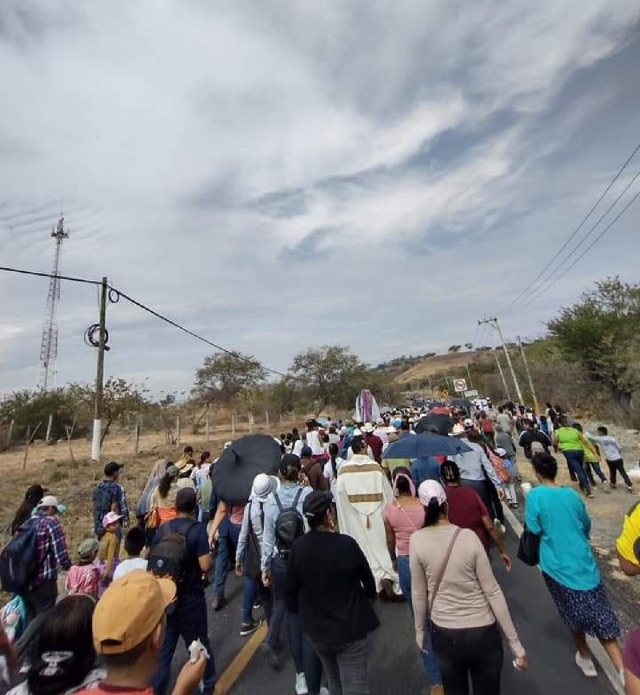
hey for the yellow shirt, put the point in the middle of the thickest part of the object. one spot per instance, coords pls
(628, 544)
(109, 548)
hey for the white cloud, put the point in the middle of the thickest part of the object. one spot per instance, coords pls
(265, 171)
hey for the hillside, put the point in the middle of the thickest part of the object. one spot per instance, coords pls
(451, 364)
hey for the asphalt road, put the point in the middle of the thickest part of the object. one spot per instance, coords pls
(395, 666)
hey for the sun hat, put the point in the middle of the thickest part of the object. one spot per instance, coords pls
(88, 548)
(431, 489)
(48, 501)
(379, 421)
(264, 485)
(458, 429)
(129, 610)
(343, 430)
(468, 422)
(367, 427)
(357, 433)
(501, 452)
(172, 471)
(316, 504)
(110, 518)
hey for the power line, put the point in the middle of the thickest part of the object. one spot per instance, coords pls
(551, 280)
(115, 294)
(577, 229)
(142, 306)
(591, 245)
(48, 275)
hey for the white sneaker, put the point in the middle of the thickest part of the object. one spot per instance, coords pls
(500, 526)
(586, 665)
(301, 684)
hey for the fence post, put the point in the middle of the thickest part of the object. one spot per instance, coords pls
(233, 425)
(207, 429)
(136, 438)
(281, 418)
(10, 433)
(250, 419)
(266, 417)
(178, 431)
(30, 437)
(49, 426)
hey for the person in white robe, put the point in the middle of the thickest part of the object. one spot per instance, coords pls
(362, 490)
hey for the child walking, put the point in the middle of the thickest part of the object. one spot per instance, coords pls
(84, 578)
(109, 548)
(612, 451)
(134, 543)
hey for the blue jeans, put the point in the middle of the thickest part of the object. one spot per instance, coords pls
(189, 621)
(345, 666)
(227, 542)
(249, 595)
(304, 655)
(429, 660)
(575, 461)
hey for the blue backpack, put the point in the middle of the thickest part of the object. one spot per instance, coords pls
(19, 559)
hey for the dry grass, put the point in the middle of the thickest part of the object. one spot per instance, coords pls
(453, 363)
(72, 480)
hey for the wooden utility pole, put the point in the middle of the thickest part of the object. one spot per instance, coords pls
(178, 432)
(528, 371)
(207, 430)
(504, 381)
(97, 404)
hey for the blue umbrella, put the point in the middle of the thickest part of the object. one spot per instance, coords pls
(423, 445)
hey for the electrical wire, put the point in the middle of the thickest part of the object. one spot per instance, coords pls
(591, 245)
(552, 280)
(114, 296)
(242, 358)
(49, 275)
(514, 302)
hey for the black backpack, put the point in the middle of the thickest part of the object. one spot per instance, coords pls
(289, 524)
(19, 559)
(168, 557)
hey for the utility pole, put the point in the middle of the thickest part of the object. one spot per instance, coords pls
(504, 381)
(494, 324)
(469, 375)
(528, 371)
(97, 404)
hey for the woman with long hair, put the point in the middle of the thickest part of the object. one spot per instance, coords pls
(63, 659)
(559, 516)
(163, 499)
(32, 496)
(402, 517)
(452, 584)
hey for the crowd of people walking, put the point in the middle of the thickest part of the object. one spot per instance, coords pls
(343, 524)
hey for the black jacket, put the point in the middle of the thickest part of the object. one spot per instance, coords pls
(329, 581)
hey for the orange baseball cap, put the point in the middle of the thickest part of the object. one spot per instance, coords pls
(129, 611)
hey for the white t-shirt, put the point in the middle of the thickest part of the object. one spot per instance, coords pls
(135, 563)
(328, 473)
(313, 441)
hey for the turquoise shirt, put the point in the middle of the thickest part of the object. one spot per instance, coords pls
(560, 517)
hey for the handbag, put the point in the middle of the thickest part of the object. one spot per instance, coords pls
(529, 548)
(153, 519)
(252, 564)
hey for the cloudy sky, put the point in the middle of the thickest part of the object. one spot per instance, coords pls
(281, 174)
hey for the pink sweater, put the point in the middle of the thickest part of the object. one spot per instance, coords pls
(469, 595)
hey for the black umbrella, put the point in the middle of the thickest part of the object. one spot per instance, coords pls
(233, 474)
(442, 423)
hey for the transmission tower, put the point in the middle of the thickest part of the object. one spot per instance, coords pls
(49, 344)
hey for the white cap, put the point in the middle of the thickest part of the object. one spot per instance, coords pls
(48, 501)
(264, 485)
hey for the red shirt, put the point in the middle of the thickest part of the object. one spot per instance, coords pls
(466, 510)
(376, 446)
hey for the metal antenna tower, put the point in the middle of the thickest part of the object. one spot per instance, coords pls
(49, 344)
